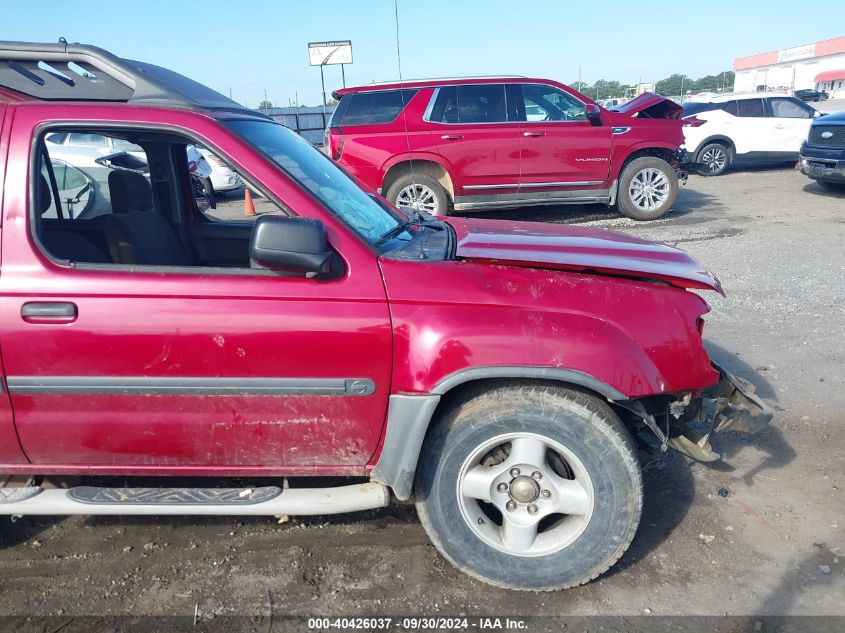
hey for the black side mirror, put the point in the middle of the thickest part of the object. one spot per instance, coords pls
(593, 114)
(291, 244)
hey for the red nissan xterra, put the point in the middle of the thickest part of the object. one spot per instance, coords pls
(496, 372)
(494, 142)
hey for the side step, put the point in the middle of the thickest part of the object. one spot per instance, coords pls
(264, 501)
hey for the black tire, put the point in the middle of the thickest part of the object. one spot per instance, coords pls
(584, 425)
(625, 202)
(438, 194)
(838, 187)
(714, 159)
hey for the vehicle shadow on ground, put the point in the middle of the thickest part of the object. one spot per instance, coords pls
(667, 479)
(802, 578)
(689, 202)
(816, 189)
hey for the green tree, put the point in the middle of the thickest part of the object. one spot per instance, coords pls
(265, 105)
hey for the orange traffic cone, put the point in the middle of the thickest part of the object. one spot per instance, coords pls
(249, 207)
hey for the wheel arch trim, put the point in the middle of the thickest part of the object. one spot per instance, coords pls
(409, 417)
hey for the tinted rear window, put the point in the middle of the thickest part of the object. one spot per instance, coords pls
(374, 108)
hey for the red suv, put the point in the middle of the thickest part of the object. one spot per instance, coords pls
(468, 144)
(499, 373)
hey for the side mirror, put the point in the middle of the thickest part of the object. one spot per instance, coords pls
(291, 244)
(593, 114)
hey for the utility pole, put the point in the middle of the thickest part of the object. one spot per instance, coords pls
(343, 74)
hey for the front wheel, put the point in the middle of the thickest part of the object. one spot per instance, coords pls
(714, 159)
(418, 192)
(530, 487)
(648, 187)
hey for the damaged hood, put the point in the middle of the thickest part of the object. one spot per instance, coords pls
(579, 249)
(652, 106)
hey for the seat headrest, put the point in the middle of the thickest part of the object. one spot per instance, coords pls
(44, 197)
(129, 191)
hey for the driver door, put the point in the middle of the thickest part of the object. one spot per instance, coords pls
(561, 150)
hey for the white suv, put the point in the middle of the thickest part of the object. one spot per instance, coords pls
(750, 127)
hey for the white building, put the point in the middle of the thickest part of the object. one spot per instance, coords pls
(820, 65)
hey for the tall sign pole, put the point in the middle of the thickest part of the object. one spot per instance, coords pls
(326, 53)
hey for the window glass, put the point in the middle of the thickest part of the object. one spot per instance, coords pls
(314, 171)
(482, 103)
(445, 108)
(91, 140)
(58, 137)
(375, 108)
(730, 107)
(750, 108)
(123, 145)
(545, 103)
(789, 109)
(479, 103)
(696, 107)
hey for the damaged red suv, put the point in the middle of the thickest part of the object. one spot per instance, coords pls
(498, 373)
(485, 143)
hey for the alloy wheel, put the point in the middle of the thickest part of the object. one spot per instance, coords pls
(418, 197)
(649, 189)
(525, 494)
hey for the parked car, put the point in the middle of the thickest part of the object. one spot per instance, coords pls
(496, 372)
(223, 178)
(823, 154)
(745, 128)
(810, 94)
(482, 143)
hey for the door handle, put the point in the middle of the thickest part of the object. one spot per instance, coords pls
(49, 312)
(532, 134)
(452, 137)
(780, 127)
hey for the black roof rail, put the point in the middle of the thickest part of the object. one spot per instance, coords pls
(79, 72)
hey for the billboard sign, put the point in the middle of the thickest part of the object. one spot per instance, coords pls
(799, 52)
(325, 53)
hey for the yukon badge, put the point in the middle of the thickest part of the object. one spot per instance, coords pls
(591, 160)
(827, 134)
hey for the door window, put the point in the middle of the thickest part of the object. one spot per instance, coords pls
(476, 103)
(545, 103)
(788, 109)
(749, 108)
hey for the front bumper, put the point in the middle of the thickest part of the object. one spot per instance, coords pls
(729, 405)
(827, 169)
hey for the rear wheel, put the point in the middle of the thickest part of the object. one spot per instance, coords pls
(714, 159)
(418, 191)
(530, 487)
(648, 187)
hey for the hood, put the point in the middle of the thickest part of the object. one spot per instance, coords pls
(579, 249)
(652, 106)
(837, 118)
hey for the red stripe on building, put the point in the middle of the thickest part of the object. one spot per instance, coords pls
(823, 48)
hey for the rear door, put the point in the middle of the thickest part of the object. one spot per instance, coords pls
(561, 150)
(747, 126)
(478, 136)
(791, 120)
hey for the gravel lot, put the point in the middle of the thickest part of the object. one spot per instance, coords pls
(771, 546)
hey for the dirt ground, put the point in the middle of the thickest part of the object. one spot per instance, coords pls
(774, 545)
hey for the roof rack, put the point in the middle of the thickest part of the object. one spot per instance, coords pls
(79, 72)
(458, 78)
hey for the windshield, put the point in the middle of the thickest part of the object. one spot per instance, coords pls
(319, 175)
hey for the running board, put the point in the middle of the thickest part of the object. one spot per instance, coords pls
(263, 501)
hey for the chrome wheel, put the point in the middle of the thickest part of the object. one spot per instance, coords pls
(714, 159)
(525, 494)
(649, 189)
(418, 197)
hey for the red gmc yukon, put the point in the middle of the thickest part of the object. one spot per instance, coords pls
(495, 142)
(496, 373)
